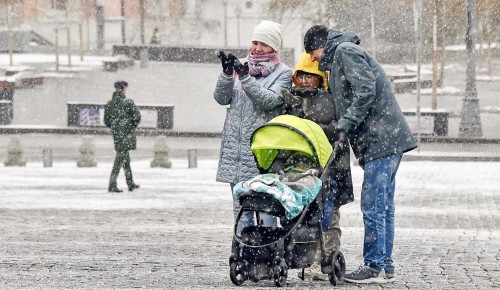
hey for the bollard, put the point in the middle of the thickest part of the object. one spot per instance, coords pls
(15, 152)
(47, 157)
(144, 57)
(87, 153)
(161, 149)
(192, 159)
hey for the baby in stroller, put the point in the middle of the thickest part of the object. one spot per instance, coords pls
(293, 155)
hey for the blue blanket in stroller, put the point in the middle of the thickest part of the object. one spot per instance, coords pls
(292, 190)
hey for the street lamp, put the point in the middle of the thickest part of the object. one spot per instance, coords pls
(99, 17)
(10, 40)
(238, 11)
(470, 123)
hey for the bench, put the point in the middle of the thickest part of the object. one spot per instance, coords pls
(118, 62)
(432, 122)
(110, 65)
(401, 75)
(404, 85)
(31, 81)
(92, 115)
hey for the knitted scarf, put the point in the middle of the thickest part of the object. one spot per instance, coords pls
(262, 65)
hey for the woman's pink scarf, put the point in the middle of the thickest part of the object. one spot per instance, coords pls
(263, 64)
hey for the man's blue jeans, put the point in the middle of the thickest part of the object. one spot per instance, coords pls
(377, 206)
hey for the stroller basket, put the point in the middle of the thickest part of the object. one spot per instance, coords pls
(255, 235)
(262, 202)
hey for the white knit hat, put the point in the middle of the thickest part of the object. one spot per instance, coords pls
(268, 32)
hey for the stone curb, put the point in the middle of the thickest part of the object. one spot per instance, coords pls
(410, 156)
(6, 130)
(443, 156)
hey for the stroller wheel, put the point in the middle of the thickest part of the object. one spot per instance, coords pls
(337, 263)
(280, 272)
(238, 272)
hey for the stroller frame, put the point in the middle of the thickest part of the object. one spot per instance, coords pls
(256, 258)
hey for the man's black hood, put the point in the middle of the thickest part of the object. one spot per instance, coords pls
(334, 39)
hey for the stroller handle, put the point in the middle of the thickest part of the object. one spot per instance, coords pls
(337, 148)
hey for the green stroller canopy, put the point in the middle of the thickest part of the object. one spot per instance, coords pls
(288, 132)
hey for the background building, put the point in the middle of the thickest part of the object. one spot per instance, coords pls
(386, 27)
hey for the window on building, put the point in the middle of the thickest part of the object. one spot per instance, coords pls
(178, 8)
(60, 4)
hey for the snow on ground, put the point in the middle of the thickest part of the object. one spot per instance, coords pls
(460, 47)
(67, 186)
(40, 58)
(61, 229)
(486, 78)
(441, 91)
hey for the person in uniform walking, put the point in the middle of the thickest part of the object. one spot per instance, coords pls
(155, 37)
(122, 116)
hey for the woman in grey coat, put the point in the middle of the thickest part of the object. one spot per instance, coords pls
(252, 89)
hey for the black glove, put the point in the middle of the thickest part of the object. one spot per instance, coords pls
(290, 99)
(334, 132)
(308, 93)
(305, 92)
(341, 137)
(295, 91)
(227, 63)
(241, 69)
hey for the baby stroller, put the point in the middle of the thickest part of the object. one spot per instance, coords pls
(266, 251)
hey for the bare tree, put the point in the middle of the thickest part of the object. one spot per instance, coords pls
(279, 8)
(489, 16)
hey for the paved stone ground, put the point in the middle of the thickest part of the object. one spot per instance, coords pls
(60, 229)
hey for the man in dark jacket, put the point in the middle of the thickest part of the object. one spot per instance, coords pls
(122, 116)
(367, 110)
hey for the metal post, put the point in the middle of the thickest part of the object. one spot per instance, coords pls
(10, 37)
(56, 48)
(88, 34)
(225, 22)
(68, 40)
(238, 11)
(470, 123)
(47, 157)
(100, 23)
(142, 8)
(192, 158)
(434, 59)
(488, 29)
(69, 46)
(418, 40)
(122, 8)
(80, 32)
(372, 22)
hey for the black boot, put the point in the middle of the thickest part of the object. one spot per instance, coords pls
(114, 189)
(133, 186)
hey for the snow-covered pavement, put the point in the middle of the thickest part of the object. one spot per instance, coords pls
(60, 228)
